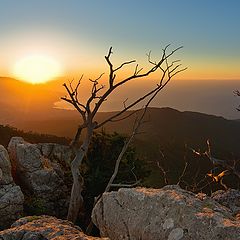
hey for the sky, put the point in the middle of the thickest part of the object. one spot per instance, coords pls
(78, 33)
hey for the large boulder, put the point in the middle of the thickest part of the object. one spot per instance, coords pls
(44, 228)
(39, 169)
(11, 196)
(169, 213)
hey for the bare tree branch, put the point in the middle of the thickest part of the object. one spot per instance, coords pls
(125, 117)
(94, 92)
(112, 87)
(228, 167)
(125, 63)
(183, 173)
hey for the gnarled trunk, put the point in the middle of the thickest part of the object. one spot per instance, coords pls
(76, 200)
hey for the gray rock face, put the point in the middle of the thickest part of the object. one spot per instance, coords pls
(12, 146)
(44, 228)
(169, 213)
(39, 171)
(229, 198)
(5, 167)
(56, 151)
(11, 196)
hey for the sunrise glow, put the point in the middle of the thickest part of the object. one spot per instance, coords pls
(36, 69)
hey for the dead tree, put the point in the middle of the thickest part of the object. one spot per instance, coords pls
(230, 168)
(98, 95)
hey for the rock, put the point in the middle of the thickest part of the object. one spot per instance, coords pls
(39, 171)
(5, 167)
(44, 228)
(58, 152)
(12, 155)
(169, 213)
(229, 199)
(11, 204)
(11, 196)
(12, 146)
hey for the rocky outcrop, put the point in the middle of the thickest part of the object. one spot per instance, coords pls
(229, 199)
(44, 228)
(169, 213)
(11, 196)
(39, 169)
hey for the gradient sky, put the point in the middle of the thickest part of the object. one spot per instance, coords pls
(78, 33)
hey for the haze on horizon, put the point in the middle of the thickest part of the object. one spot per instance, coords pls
(70, 38)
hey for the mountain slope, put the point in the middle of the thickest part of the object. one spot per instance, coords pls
(166, 137)
(7, 132)
(162, 125)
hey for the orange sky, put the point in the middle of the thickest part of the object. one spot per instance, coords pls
(71, 38)
(77, 34)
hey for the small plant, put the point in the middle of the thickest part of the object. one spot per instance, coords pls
(35, 206)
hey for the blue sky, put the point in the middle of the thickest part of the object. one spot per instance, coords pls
(77, 31)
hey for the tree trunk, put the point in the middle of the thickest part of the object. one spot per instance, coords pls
(76, 200)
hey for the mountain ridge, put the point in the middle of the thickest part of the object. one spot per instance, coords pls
(161, 124)
(167, 135)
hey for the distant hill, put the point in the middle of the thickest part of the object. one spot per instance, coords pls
(20, 100)
(7, 132)
(165, 131)
(161, 125)
(166, 137)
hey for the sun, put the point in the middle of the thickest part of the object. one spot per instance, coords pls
(36, 69)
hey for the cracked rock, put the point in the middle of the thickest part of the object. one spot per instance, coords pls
(169, 213)
(11, 196)
(39, 170)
